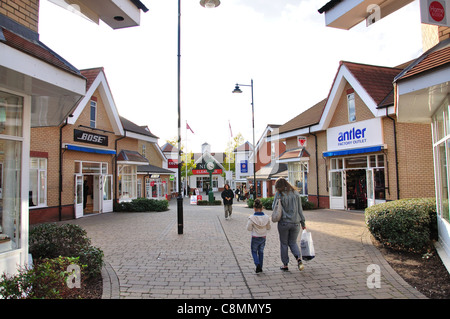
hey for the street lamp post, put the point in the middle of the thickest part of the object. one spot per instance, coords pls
(238, 90)
(206, 4)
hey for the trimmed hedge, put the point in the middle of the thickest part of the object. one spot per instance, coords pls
(142, 205)
(67, 240)
(406, 224)
(267, 203)
(215, 202)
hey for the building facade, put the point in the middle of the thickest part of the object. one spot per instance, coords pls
(97, 158)
(350, 152)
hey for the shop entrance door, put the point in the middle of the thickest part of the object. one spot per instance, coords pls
(78, 196)
(357, 189)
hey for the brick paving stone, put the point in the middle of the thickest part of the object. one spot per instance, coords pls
(146, 258)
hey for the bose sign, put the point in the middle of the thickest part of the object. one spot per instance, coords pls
(355, 135)
(91, 138)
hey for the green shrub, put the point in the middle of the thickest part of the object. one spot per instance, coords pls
(142, 205)
(407, 224)
(307, 205)
(67, 240)
(268, 201)
(46, 280)
(215, 202)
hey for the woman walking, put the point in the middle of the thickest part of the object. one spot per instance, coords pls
(291, 220)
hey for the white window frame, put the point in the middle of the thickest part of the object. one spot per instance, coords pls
(351, 107)
(92, 104)
(40, 191)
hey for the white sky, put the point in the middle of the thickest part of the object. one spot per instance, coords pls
(283, 45)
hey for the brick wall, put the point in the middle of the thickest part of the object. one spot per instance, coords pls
(25, 12)
(444, 33)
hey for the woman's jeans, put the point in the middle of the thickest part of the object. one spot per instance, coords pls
(288, 238)
(257, 247)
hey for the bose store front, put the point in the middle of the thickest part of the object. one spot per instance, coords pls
(356, 164)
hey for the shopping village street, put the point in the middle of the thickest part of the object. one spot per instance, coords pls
(147, 258)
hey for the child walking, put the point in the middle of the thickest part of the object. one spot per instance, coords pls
(258, 224)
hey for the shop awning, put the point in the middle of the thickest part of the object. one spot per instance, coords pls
(294, 155)
(88, 149)
(354, 151)
(131, 158)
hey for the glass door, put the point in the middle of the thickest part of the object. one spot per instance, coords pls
(107, 194)
(370, 188)
(337, 195)
(78, 195)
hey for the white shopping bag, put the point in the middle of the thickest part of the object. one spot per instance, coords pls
(307, 246)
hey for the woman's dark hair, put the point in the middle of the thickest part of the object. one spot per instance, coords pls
(257, 204)
(282, 185)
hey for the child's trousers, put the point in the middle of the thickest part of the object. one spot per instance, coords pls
(257, 247)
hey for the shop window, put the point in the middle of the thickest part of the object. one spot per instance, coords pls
(351, 107)
(298, 176)
(38, 182)
(11, 143)
(93, 114)
(127, 182)
(336, 184)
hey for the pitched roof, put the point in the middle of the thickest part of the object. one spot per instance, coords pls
(436, 57)
(132, 127)
(91, 75)
(32, 46)
(152, 169)
(376, 80)
(246, 147)
(131, 156)
(309, 117)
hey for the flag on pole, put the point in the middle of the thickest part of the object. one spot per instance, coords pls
(189, 128)
(229, 124)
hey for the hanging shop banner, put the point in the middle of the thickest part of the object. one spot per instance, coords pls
(89, 137)
(356, 135)
(435, 12)
(244, 166)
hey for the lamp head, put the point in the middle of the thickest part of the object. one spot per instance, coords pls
(237, 89)
(210, 3)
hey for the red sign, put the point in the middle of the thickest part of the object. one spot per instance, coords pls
(205, 172)
(172, 163)
(437, 11)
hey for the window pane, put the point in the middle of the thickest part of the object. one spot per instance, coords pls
(356, 162)
(336, 184)
(33, 193)
(351, 107)
(443, 180)
(10, 156)
(93, 113)
(43, 183)
(10, 114)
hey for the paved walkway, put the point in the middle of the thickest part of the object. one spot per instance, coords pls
(146, 258)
